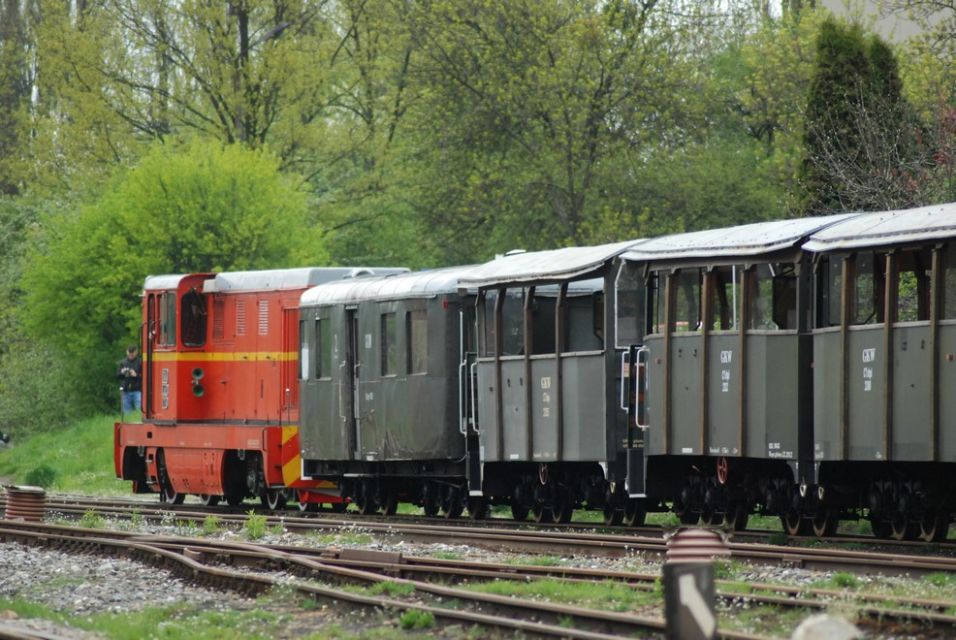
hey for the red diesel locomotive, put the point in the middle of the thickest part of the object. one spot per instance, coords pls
(220, 393)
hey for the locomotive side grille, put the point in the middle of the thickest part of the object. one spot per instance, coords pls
(240, 317)
(263, 317)
(218, 319)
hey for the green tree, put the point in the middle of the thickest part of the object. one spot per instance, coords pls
(204, 207)
(863, 144)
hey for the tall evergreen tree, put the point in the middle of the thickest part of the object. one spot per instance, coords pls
(863, 146)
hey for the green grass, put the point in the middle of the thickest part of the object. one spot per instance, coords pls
(255, 527)
(609, 596)
(81, 457)
(172, 623)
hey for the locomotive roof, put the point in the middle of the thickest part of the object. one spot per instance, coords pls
(887, 228)
(269, 279)
(420, 284)
(744, 240)
(556, 265)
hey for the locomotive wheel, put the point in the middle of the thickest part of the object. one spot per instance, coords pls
(634, 513)
(612, 516)
(209, 500)
(166, 492)
(478, 508)
(274, 499)
(541, 513)
(304, 505)
(171, 496)
(825, 523)
(519, 511)
(453, 510)
(234, 499)
(338, 507)
(933, 527)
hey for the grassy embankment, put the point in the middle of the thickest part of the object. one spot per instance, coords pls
(80, 457)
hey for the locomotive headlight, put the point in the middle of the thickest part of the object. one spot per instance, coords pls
(198, 389)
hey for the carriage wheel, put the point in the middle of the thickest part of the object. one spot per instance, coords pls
(634, 513)
(825, 522)
(612, 516)
(478, 508)
(519, 511)
(933, 527)
(737, 517)
(541, 513)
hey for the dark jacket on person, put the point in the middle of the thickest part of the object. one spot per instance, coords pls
(129, 382)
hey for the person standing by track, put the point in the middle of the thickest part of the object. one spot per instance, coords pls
(130, 374)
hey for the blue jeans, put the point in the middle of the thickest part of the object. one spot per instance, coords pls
(132, 401)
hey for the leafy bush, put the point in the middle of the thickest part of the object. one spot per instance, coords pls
(41, 476)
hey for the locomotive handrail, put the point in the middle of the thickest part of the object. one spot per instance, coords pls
(641, 388)
(342, 415)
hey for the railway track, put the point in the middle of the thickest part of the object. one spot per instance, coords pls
(204, 562)
(566, 541)
(213, 563)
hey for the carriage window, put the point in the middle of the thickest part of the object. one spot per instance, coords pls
(655, 303)
(949, 283)
(723, 303)
(773, 297)
(869, 289)
(323, 355)
(389, 355)
(629, 298)
(304, 350)
(194, 319)
(582, 330)
(167, 319)
(542, 323)
(829, 285)
(416, 341)
(688, 300)
(914, 275)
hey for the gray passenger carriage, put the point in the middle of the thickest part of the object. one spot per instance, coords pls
(382, 389)
(722, 406)
(883, 346)
(544, 382)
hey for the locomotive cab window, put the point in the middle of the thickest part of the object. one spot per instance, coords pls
(655, 303)
(167, 319)
(193, 319)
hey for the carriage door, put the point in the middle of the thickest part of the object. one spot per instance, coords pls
(353, 362)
